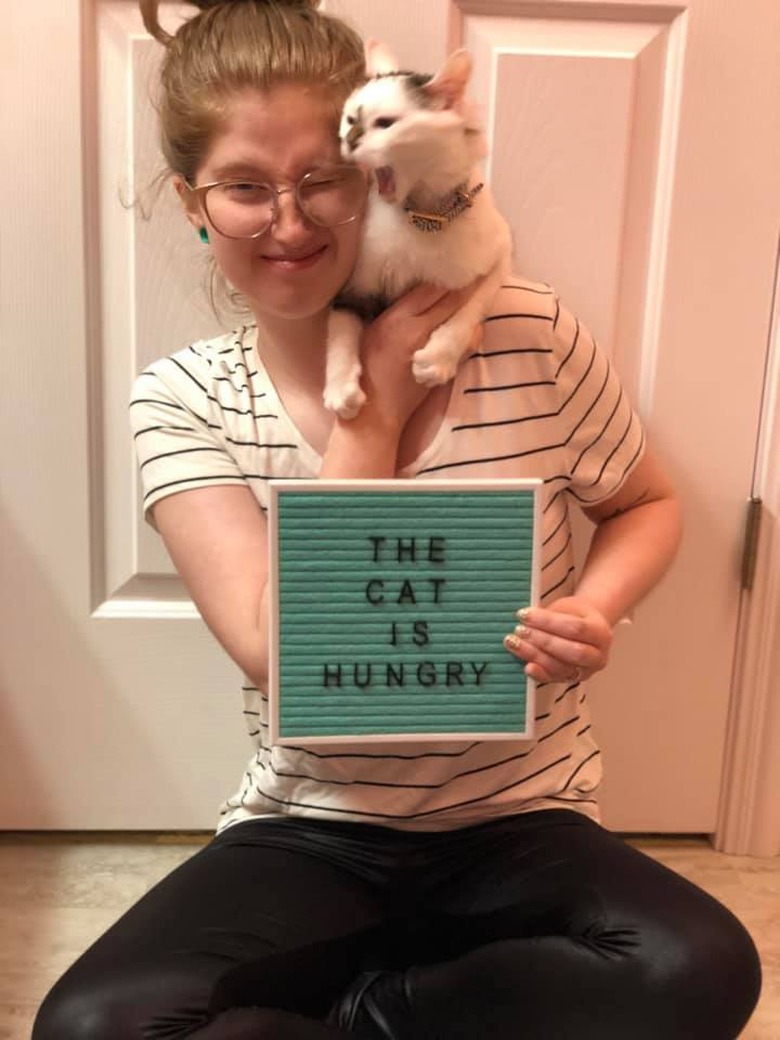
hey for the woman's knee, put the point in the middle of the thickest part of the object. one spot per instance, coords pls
(68, 1014)
(123, 1008)
(707, 968)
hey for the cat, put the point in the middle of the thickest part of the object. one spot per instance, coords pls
(429, 217)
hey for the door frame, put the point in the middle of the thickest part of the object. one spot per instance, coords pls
(749, 818)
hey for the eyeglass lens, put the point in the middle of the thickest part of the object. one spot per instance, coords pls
(243, 209)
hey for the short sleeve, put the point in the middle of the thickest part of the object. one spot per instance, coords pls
(603, 439)
(178, 443)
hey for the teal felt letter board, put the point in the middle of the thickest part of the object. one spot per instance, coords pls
(389, 603)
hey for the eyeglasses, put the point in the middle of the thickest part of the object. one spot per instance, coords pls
(329, 196)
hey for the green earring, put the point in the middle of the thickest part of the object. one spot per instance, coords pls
(203, 235)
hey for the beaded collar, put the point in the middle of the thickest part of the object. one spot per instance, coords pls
(451, 206)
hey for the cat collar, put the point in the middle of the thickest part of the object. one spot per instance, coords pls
(449, 208)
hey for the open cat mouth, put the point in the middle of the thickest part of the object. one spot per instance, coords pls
(385, 182)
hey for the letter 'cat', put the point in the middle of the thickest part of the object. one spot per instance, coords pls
(429, 217)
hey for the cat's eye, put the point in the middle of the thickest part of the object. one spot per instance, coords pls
(383, 122)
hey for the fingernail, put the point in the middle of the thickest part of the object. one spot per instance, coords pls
(522, 632)
(523, 614)
(511, 643)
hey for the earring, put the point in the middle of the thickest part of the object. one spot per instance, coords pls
(203, 235)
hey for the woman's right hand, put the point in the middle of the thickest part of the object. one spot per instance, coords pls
(393, 394)
(366, 447)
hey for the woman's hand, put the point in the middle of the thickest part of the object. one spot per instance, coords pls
(389, 343)
(566, 642)
(367, 446)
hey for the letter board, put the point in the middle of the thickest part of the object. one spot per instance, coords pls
(389, 602)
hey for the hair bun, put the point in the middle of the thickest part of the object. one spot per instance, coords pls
(300, 5)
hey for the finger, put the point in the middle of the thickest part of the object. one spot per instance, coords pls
(443, 308)
(476, 339)
(547, 649)
(420, 299)
(435, 303)
(541, 675)
(541, 668)
(565, 661)
(578, 628)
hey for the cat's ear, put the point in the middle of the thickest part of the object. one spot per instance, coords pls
(448, 86)
(379, 58)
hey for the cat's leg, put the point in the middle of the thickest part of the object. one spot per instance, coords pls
(342, 393)
(437, 362)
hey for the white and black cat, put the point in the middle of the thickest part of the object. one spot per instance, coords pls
(429, 217)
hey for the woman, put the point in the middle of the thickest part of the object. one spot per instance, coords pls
(449, 891)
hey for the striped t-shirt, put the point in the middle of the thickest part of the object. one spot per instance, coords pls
(539, 399)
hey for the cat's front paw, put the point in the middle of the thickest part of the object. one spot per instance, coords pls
(437, 362)
(432, 373)
(345, 400)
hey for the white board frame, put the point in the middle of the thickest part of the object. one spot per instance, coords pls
(401, 486)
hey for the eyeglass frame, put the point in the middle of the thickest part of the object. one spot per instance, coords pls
(201, 190)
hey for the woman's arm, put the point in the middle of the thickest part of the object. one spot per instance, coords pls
(636, 537)
(217, 540)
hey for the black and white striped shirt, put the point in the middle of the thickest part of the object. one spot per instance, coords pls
(539, 399)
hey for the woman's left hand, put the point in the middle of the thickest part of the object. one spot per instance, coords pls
(566, 642)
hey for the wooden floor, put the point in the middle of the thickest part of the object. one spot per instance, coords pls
(59, 892)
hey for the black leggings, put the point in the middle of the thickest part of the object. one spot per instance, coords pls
(542, 925)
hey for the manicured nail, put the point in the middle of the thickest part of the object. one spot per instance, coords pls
(523, 614)
(511, 643)
(522, 632)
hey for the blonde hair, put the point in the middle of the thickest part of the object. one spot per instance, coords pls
(236, 45)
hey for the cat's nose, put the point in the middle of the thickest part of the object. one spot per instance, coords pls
(353, 136)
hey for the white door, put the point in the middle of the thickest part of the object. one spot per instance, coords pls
(117, 710)
(634, 152)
